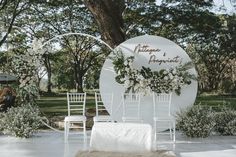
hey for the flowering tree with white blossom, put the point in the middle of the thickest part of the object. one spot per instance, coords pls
(26, 66)
(24, 120)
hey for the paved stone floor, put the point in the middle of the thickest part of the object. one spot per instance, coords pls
(52, 144)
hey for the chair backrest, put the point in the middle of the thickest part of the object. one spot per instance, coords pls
(76, 103)
(99, 102)
(162, 104)
(131, 105)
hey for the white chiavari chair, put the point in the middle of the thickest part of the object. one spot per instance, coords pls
(102, 113)
(76, 113)
(162, 117)
(131, 107)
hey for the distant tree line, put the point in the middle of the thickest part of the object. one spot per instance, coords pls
(208, 37)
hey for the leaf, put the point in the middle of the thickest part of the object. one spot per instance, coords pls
(186, 66)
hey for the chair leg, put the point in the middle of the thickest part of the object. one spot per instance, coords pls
(170, 129)
(155, 135)
(174, 131)
(65, 130)
(155, 131)
(84, 129)
(68, 129)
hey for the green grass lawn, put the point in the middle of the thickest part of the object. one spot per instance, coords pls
(57, 105)
(217, 101)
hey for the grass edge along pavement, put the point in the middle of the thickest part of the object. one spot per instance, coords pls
(55, 107)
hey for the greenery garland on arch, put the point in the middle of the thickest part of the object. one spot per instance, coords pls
(145, 80)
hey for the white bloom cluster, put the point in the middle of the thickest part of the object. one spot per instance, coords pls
(225, 121)
(145, 80)
(26, 67)
(21, 121)
(201, 121)
(197, 121)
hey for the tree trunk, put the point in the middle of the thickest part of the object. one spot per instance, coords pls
(49, 86)
(47, 64)
(108, 15)
(80, 84)
(78, 75)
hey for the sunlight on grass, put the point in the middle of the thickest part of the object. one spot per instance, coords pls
(57, 105)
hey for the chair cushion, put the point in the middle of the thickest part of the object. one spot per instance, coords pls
(168, 118)
(75, 118)
(102, 118)
(132, 119)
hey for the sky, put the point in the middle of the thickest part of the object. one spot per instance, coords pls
(226, 5)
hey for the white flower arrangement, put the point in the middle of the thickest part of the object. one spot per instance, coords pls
(24, 120)
(26, 66)
(145, 80)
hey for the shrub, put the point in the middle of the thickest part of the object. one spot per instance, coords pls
(226, 122)
(196, 121)
(21, 121)
(1, 126)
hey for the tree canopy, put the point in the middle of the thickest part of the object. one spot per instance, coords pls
(207, 36)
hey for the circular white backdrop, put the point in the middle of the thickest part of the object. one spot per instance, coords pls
(149, 51)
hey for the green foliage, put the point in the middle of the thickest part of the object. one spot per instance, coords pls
(145, 80)
(225, 122)
(201, 121)
(11, 12)
(197, 121)
(26, 66)
(121, 63)
(214, 54)
(62, 71)
(28, 94)
(21, 121)
(91, 79)
(1, 126)
(189, 23)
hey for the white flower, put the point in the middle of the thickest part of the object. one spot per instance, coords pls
(171, 76)
(127, 69)
(130, 61)
(21, 85)
(127, 83)
(165, 72)
(140, 77)
(27, 78)
(174, 71)
(131, 82)
(125, 63)
(136, 87)
(142, 83)
(118, 72)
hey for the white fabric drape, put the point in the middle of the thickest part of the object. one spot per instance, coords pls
(121, 137)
